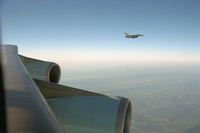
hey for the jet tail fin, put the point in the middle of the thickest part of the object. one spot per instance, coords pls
(126, 34)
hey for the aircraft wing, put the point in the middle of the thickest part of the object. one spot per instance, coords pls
(27, 110)
(35, 102)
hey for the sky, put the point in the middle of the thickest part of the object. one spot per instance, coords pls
(88, 31)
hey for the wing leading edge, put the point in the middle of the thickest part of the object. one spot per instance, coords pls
(27, 110)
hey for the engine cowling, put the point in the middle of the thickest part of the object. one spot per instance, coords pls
(47, 71)
(95, 114)
(84, 111)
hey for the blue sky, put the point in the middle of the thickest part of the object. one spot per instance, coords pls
(93, 30)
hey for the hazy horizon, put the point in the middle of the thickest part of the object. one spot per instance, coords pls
(164, 99)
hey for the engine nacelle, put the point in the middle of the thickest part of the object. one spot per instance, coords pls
(92, 114)
(87, 112)
(47, 71)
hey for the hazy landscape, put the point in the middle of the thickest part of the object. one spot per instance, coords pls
(164, 98)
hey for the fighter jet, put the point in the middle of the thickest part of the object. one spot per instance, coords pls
(132, 36)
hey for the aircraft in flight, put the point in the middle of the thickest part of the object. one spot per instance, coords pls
(132, 36)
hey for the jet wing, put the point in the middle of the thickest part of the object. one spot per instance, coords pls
(37, 103)
(27, 110)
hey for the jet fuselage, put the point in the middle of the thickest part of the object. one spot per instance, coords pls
(131, 36)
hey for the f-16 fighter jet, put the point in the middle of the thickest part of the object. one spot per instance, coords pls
(132, 36)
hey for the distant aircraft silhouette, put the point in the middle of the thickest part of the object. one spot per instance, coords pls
(132, 36)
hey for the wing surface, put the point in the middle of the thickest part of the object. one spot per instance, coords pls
(27, 110)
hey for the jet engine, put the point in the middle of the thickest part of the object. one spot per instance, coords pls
(42, 70)
(92, 114)
(79, 111)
